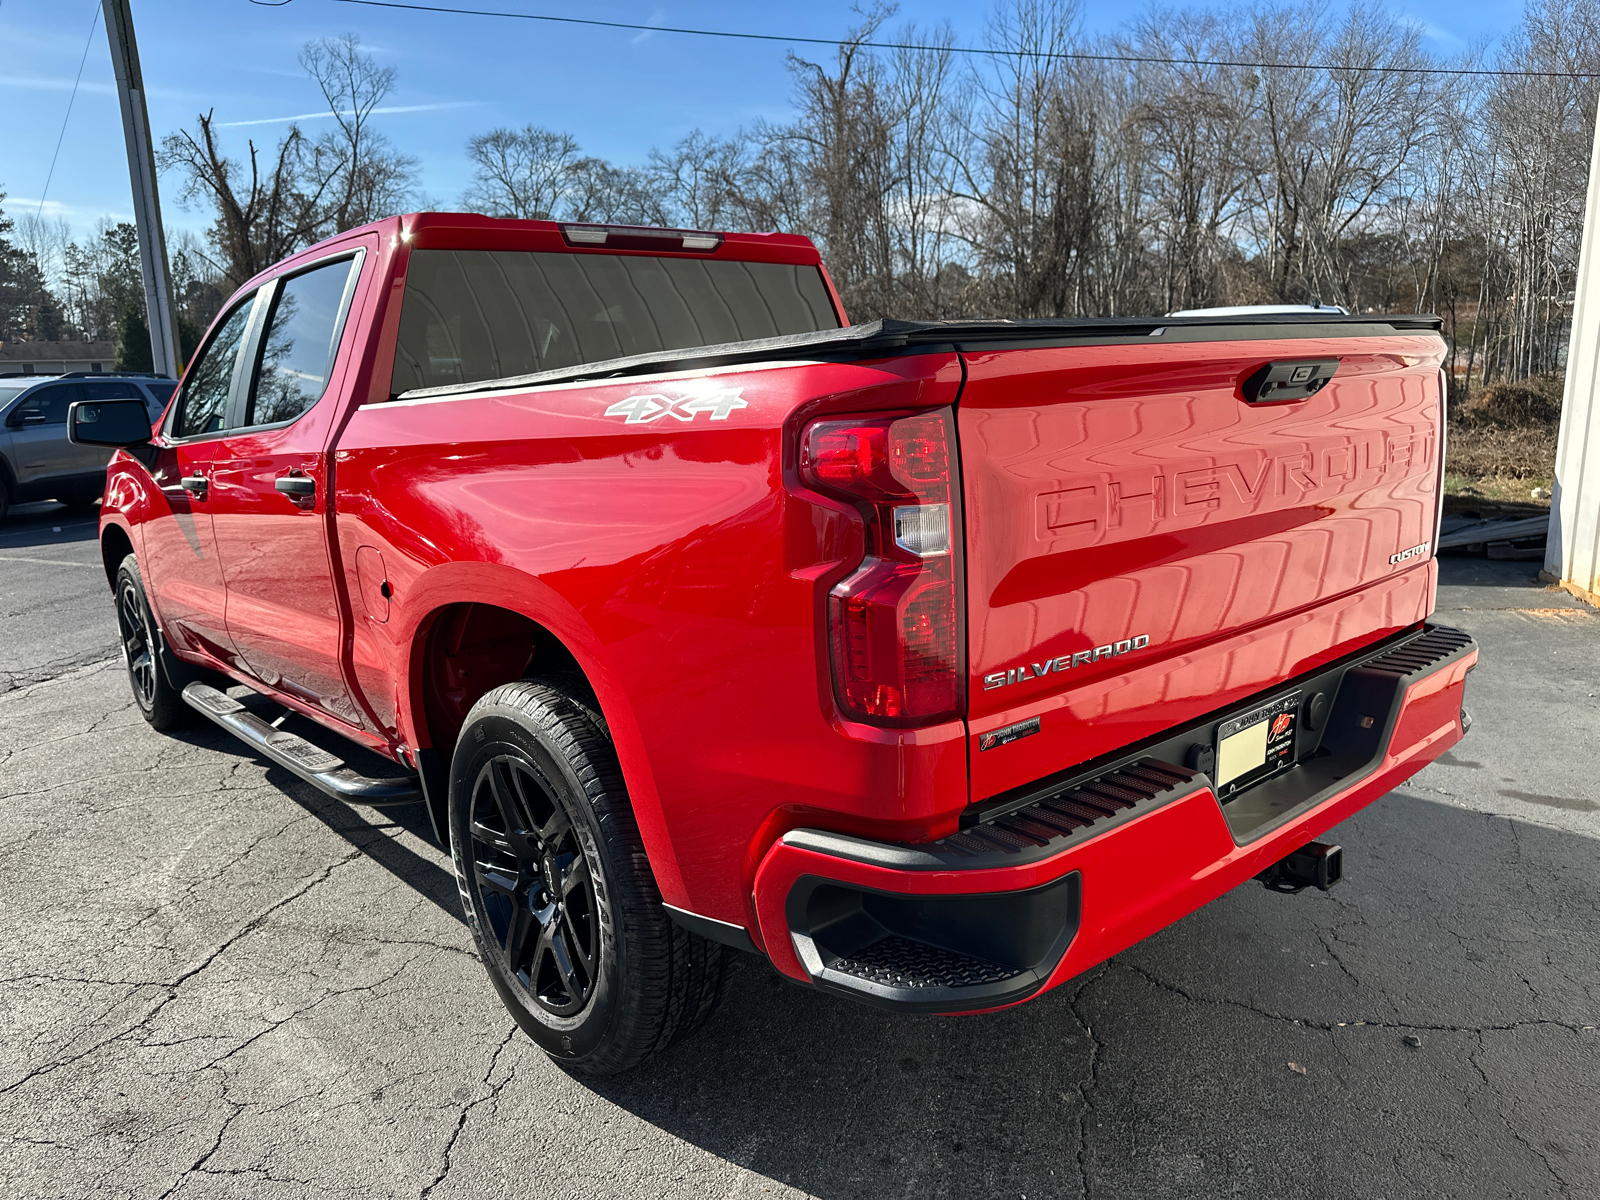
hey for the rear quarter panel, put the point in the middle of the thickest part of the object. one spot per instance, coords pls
(667, 555)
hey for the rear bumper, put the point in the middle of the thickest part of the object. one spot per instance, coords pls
(1073, 873)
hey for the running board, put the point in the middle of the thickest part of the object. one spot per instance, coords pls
(316, 766)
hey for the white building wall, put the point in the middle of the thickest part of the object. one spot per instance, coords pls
(1572, 555)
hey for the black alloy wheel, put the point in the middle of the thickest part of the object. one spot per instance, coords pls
(557, 888)
(138, 646)
(159, 702)
(535, 885)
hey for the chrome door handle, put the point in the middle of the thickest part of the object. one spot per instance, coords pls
(195, 485)
(300, 487)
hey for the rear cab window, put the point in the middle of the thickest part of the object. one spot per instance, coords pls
(473, 315)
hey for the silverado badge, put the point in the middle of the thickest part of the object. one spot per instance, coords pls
(1064, 663)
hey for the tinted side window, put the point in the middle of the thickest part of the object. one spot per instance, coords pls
(162, 392)
(49, 403)
(488, 314)
(204, 405)
(301, 343)
(109, 389)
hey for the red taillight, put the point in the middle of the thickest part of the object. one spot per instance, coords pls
(895, 621)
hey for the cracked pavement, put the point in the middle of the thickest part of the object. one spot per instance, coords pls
(217, 982)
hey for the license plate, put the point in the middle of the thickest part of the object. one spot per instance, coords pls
(1256, 745)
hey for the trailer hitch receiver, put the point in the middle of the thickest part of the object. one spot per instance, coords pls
(1313, 865)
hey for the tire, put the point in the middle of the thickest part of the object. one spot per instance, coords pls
(5, 499)
(158, 701)
(592, 968)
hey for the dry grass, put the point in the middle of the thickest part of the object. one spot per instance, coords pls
(1503, 440)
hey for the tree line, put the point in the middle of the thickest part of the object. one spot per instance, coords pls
(1191, 159)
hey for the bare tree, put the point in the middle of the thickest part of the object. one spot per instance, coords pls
(1196, 128)
(1034, 129)
(598, 191)
(1539, 130)
(360, 176)
(523, 173)
(306, 189)
(261, 216)
(1063, 174)
(841, 145)
(27, 310)
(699, 180)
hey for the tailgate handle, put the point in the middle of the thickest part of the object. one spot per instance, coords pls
(1280, 382)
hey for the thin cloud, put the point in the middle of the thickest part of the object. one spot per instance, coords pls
(1441, 35)
(316, 116)
(1429, 30)
(55, 209)
(654, 18)
(53, 85)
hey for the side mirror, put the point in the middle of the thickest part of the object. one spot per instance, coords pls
(120, 423)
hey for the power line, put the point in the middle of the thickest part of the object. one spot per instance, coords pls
(62, 136)
(1066, 55)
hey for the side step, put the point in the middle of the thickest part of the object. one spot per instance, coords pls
(313, 764)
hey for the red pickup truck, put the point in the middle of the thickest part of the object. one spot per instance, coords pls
(934, 661)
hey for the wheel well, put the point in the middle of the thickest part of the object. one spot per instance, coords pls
(115, 546)
(468, 649)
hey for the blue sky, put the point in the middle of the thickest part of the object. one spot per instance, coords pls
(617, 92)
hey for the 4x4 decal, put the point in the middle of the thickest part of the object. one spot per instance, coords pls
(652, 406)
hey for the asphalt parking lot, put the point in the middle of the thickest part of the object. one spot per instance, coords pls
(218, 982)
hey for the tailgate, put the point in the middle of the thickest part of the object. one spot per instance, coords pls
(1140, 538)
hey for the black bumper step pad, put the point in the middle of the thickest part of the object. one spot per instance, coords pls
(1433, 647)
(899, 962)
(1053, 820)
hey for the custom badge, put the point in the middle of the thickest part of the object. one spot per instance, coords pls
(652, 406)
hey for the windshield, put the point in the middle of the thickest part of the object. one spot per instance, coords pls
(8, 394)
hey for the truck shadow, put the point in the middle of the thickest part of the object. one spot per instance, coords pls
(1168, 1070)
(424, 868)
(369, 830)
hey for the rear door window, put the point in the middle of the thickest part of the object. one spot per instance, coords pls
(162, 392)
(203, 407)
(301, 343)
(47, 406)
(471, 315)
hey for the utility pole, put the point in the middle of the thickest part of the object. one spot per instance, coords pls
(146, 202)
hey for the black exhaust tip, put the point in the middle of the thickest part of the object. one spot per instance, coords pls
(1313, 865)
